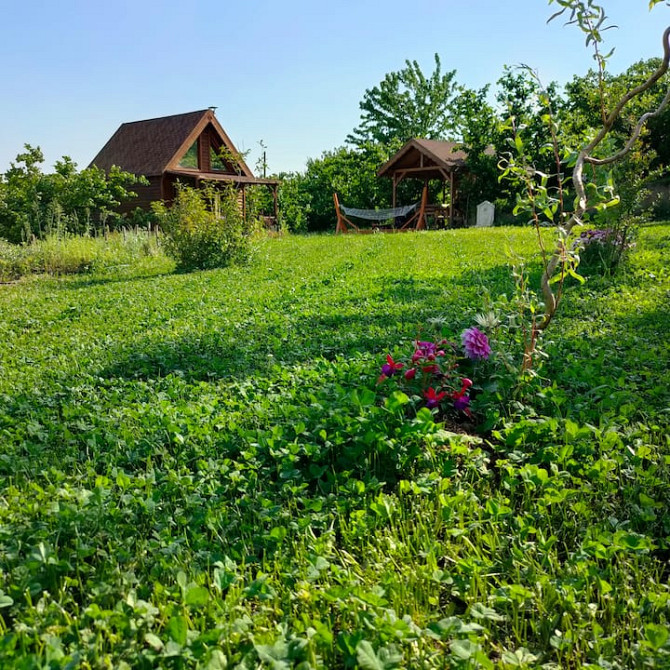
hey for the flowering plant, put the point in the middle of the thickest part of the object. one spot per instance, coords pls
(602, 249)
(436, 374)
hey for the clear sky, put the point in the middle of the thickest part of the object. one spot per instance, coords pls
(288, 72)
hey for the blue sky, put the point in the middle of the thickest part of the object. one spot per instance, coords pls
(290, 73)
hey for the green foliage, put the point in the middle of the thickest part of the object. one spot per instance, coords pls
(407, 104)
(307, 199)
(479, 129)
(204, 228)
(72, 254)
(199, 469)
(34, 204)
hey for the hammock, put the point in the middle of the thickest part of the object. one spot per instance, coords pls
(379, 214)
(417, 220)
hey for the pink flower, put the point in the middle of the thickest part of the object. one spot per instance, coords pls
(410, 374)
(391, 367)
(476, 344)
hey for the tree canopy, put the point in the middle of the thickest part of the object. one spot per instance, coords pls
(407, 104)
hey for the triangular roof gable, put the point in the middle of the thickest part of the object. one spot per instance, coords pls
(152, 146)
(225, 141)
(443, 155)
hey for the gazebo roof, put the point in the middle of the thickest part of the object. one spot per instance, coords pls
(425, 159)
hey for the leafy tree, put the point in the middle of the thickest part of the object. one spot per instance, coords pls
(584, 105)
(524, 103)
(32, 203)
(479, 129)
(546, 202)
(407, 104)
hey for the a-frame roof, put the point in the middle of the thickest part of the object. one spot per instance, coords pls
(427, 159)
(153, 146)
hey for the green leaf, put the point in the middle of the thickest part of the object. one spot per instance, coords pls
(5, 600)
(217, 660)
(481, 611)
(177, 629)
(196, 596)
(368, 659)
(463, 649)
(153, 641)
(396, 400)
(656, 635)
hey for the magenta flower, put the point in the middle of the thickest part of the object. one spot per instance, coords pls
(462, 399)
(410, 374)
(428, 350)
(391, 367)
(432, 398)
(476, 344)
(461, 402)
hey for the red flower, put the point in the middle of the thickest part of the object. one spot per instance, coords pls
(462, 399)
(410, 374)
(433, 398)
(389, 368)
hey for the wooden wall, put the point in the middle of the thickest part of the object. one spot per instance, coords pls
(145, 196)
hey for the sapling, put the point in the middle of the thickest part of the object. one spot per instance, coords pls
(545, 197)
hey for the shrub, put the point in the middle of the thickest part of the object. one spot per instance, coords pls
(602, 250)
(34, 205)
(204, 228)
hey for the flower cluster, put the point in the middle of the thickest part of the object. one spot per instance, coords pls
(601, 236)
(432, 372)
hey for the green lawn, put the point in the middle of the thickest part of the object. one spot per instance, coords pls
(199, 470)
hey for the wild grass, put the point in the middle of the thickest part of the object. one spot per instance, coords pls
(199, 470)
(63, 254)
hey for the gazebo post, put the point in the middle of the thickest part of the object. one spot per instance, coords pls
(340, 227)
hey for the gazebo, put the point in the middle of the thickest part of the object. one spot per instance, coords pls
(426, 160)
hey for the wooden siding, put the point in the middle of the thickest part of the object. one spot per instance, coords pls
(145, 196)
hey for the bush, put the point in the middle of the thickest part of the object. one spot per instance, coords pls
(601, 251)
(34, 205)
(204, 228)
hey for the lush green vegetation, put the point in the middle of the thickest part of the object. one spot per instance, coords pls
(527, 116)
(62, 254)
(35, 205)
(204, 228)
(199, 470)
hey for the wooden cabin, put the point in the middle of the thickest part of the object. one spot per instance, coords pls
(191, 148)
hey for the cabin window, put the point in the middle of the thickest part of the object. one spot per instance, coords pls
(216, 161)
(190, 158)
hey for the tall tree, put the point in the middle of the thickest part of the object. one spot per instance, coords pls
(407, 104)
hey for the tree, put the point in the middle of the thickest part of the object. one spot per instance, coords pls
(546, 202)
(351, 172)
(479, 129)
(583, 105)
(32, 203)
(407, 104)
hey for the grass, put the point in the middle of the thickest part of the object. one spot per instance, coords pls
(199, 470)
(63, 254)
